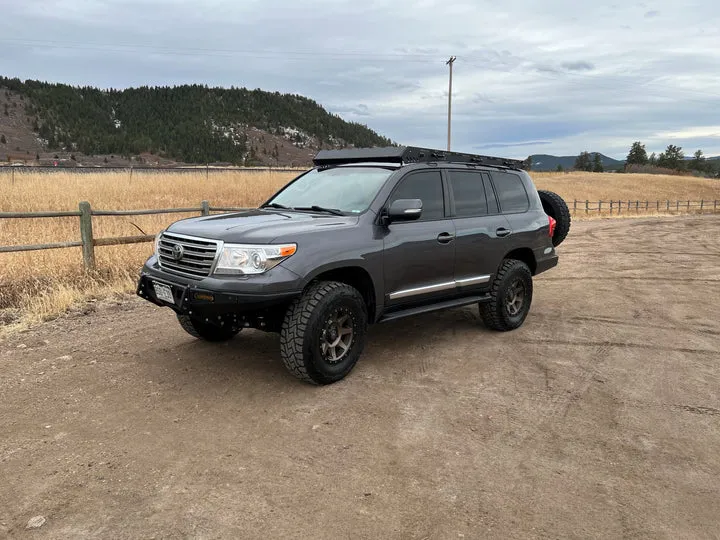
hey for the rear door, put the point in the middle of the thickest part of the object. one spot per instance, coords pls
(481, 230)
(514, 204)
(419, 256)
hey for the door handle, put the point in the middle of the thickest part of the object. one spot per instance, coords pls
(445, 238)
(502, 232)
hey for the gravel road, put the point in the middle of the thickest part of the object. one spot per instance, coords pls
(599, 418)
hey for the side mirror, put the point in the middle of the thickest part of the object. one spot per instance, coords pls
(404, 210)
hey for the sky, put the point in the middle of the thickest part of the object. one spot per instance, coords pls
(553, 77)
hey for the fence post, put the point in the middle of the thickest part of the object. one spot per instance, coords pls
(677, 206)
(637, 207)
(715, 205)
(688, 206)
(86, 235)
(702, 202)
(647, 204)
(205, 208)
(668, 206)
(599, 208)
(657, 208)
(586, 206)
(611, 206)
(619, 207)
(574, 206)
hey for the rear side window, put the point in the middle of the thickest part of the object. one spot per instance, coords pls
(468, 193)
(511, 192)
(426, 186)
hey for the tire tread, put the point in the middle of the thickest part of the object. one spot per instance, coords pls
(490, 312)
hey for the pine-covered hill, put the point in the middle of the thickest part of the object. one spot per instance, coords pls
(191, 123)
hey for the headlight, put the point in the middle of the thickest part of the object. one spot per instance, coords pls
(252, 259)
(157, 243)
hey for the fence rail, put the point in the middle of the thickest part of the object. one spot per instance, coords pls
(617, 206)
(88, 242)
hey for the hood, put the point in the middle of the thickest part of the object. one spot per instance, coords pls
(260, 226)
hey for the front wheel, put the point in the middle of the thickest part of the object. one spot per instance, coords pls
(205, 330)
(511, 295)
(323, 333)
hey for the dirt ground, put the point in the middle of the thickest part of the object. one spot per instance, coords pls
(599, 418)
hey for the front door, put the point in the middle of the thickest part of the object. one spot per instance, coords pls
(419, 256)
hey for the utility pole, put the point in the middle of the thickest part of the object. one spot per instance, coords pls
(450, 63)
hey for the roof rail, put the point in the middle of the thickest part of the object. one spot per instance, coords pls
(405, 155)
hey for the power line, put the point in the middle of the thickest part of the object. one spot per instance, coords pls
(194, 51)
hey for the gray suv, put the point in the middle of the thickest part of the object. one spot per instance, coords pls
(366, 236)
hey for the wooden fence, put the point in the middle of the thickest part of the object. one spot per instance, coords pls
(88, 242)
(619, 207)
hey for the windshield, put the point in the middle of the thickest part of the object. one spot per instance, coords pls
(348, 189)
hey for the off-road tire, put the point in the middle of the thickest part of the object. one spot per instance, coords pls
(495, 313)
(303, 330)
(206, 331)
(556, 208)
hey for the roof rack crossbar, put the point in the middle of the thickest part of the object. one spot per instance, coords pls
(405, 155)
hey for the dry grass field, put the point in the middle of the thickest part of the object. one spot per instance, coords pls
(38, 285)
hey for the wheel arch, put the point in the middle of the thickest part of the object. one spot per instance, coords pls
(525, 255)
(355, 276)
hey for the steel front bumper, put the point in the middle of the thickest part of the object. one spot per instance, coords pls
(219, 295)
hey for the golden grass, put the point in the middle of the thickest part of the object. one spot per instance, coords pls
(584, 186)
(42, 284)
(38, 285)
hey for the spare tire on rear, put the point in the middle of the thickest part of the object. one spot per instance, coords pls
(555, 207)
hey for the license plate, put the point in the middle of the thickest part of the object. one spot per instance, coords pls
(163, 292)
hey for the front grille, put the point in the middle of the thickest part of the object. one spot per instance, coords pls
(197, 254)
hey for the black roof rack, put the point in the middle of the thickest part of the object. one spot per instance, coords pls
(405, 155)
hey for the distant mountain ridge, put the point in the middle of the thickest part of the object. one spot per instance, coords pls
(547, 162)
(189, 123)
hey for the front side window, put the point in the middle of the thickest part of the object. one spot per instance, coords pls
(348, 189)
(426, 186)
(511, 192)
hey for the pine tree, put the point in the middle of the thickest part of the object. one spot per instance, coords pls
(672, 158)
(597, 163)
(637, 155)
(698, 163)
(583, 162)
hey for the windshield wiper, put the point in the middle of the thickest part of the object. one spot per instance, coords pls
(275, 205)
(316, 208)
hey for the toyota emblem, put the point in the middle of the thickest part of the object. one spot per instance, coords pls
(178, 252)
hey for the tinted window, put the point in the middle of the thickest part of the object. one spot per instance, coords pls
(426, 186)
(511, 192)
(468, 193)
(490, 192)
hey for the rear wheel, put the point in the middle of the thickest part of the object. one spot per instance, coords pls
(205, 330)
(511, 294)
(555, 207)
(323, 333)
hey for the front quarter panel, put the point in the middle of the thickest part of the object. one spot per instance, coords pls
(356, 246)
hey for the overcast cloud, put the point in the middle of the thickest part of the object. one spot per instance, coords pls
(557, 77)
